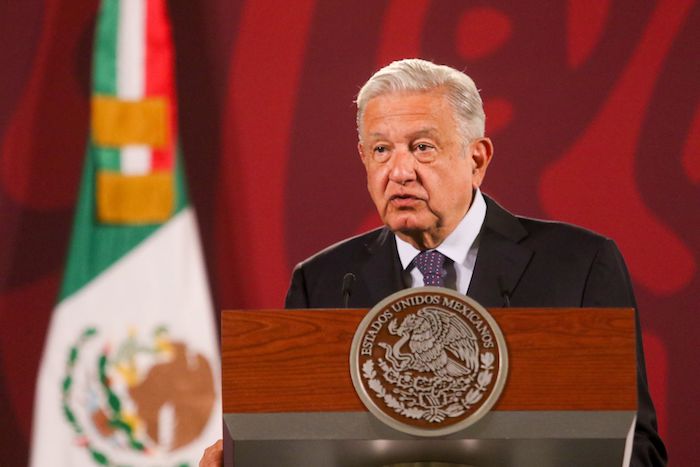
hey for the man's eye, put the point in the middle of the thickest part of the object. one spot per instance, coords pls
(423, 147)
(381, 153)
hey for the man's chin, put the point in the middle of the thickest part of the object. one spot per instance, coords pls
(406, 225)
(418, 232)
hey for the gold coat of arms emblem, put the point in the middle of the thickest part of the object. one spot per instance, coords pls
(428, 361)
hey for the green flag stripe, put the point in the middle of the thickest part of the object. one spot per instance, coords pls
(107, 158)
(104, 63)
(104, 72)
(94, 247)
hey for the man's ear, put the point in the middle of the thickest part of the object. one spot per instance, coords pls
(481, 154)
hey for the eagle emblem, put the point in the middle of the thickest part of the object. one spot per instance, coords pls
(428, 361)
(439, 342)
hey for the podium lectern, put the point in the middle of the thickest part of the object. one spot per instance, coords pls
(570, 398)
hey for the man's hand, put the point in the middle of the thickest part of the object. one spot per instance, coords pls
(213, 455)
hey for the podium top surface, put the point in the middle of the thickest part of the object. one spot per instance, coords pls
(276, 361)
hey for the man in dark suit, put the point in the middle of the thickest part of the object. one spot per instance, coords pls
(421, 132)
(421, 140)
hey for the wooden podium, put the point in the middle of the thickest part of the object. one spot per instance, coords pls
(570, 398)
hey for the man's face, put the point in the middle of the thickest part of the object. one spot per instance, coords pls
(420, 170)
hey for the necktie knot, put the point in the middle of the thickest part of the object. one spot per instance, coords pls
(430, 264)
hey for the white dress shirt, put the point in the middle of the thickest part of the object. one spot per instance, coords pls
(461, 247)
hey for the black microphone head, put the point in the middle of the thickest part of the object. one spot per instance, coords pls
(348, 280)
(505, 293)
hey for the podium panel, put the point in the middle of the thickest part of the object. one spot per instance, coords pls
(570, 397)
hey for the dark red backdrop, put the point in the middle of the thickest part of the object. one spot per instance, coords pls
(593, 106)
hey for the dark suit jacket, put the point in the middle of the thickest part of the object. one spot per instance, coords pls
(536, 263)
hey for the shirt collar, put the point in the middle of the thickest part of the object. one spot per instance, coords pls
(457, 244)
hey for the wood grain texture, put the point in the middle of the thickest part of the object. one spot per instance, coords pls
(297, 360)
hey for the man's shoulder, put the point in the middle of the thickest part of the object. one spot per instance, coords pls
(345, 250)
(317, 281)
(554, 230)
(545, 233)
(566, 243)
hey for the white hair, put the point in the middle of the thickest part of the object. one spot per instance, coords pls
(416, 75)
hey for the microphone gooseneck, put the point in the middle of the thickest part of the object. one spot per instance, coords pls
(505, 293)
(346, 290)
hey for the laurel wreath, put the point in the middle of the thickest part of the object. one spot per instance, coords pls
(116, 420)
(437, 412)
(68, 412)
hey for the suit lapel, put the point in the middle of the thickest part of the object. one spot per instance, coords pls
(372, 265)
(501, 260)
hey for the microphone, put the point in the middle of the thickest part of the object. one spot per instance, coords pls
(505, 293)
(348, 280)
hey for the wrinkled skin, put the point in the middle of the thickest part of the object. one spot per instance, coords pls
(421, 171)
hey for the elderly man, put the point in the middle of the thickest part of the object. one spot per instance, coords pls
(422, 142)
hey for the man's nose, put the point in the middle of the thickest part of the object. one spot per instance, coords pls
(403, 167)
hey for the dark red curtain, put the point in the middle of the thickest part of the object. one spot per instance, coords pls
(593, 107)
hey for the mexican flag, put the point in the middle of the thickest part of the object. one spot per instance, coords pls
(130, 371)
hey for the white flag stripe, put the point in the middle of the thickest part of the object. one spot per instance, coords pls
(160, 282)
(135, 159)
(131, 49)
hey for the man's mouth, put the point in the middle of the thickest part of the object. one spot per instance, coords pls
(403, 200)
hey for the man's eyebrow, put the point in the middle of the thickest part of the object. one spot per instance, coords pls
(429, 131)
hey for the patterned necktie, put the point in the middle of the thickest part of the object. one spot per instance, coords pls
(430, 263)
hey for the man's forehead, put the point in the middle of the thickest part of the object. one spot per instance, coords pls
(406, 106)
(423, 132)
(416, 115)
(408, 99)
